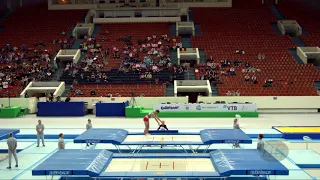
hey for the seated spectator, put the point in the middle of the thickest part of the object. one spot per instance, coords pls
(261, 56)
(92, 92)
(79, 92)
(68, 99)
(237, 93)
(254, 79)
(247, 78)
(268, 83)
(229, 93)
(237, 63)
(232, 71)
(26, 95)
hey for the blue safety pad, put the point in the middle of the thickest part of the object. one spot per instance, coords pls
(161, 156)
(221, 136)
(4, 133)
(112, 136)
(74, 162)
(246, 162)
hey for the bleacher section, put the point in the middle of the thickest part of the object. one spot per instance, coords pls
(137, 31)
(225, 30)
(307, 16)
(32, 25)
(125, 90)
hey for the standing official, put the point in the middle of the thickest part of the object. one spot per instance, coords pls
(89, 126)
(260, 144)
(40, 129)
(61, 144)
(12, 149)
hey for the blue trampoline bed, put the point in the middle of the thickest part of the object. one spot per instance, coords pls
(4, 133)
(103, 164)
(207, 137)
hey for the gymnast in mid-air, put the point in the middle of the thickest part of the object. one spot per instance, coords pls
(147, 118)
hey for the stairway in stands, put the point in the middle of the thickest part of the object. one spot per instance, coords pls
(276, 12)
(214, 90)
(5, 15)
(197, 29)
(299, 42)
(170, 90)
(276, 28)
(316, 84)
(202, 56)
(293, 52)
(186, 42)
(190, 75)
(173, 56)
(172, 28)
(76, 44)
(96, 30)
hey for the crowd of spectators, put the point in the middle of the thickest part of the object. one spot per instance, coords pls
(145, 57)
(21, 65)
(212, 70)
(18, 67)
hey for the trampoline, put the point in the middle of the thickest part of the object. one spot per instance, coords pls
(4, 133)
(105, 164)
(121, 137)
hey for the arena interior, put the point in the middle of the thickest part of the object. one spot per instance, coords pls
(160, 89)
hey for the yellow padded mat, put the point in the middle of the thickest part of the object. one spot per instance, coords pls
(299, 129)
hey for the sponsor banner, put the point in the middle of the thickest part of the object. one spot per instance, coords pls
(205, 107)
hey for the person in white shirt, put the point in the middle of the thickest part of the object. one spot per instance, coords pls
(89, 126)
(61, 144)
(40, 129)
(12, 149)
(260, 144)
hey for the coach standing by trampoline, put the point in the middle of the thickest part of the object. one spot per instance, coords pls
(89, 126)
(12, 149)
(40, 129)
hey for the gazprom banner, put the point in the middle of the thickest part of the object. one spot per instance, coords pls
(205, 107)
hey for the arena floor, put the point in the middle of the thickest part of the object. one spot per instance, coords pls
(30, 156)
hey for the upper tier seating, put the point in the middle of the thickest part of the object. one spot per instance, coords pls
(32, 24)
(27, 26)
(306, 15)
(225, 30)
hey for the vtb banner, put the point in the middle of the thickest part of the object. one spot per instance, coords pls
(205, 107)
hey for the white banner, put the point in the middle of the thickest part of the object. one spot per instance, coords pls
(205, 107)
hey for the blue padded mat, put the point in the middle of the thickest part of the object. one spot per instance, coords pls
(246, 162)
(74, 162)
(220, 136)
(5, 132)
(113, 136)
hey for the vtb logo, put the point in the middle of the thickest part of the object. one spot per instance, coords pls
(232, 108)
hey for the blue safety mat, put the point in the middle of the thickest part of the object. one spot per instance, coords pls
(246, 162)
(4, 133)
(112, 136)
(220, 136)
(74, 162)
